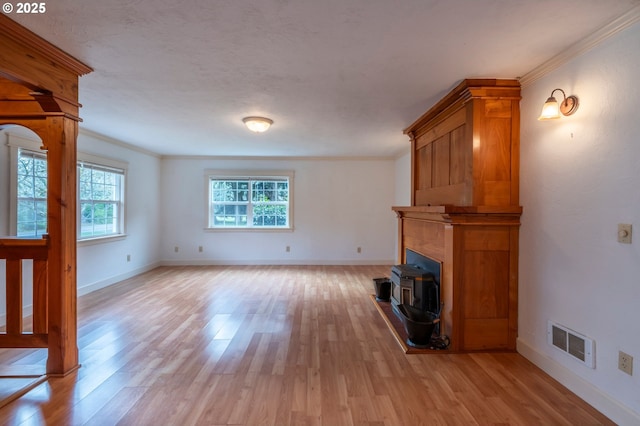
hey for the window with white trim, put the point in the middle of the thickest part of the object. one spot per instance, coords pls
(250, 201)
(31, 203)
(100, 201)
(100, 185)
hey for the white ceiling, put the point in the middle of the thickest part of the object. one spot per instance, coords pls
(338, 77)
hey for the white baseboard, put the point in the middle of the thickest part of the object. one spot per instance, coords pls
(86, 289)
(213, 262)
(576, 384)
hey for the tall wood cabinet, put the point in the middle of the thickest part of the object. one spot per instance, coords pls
(465, 209)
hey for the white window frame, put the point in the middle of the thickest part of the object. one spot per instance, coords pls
(107, 164)
(17, 142)
(251, 175)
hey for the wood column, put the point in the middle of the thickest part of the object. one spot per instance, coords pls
(61, 219)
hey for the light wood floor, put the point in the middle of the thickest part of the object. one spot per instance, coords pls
(273, 345)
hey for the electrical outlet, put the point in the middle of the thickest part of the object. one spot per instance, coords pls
(625, 363)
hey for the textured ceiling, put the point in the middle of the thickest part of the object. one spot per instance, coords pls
(339, 78)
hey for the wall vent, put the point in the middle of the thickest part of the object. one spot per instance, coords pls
(575, 344)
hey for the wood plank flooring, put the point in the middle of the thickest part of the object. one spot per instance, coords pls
(273, 345)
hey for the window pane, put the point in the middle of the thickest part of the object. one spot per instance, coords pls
(218, 194)
(101, 204)
(218, 215)
(41, 211)
(40, 187)
(26, 211)
(109, 192)
(25, 186)
(96, 191)
(27, 229)
(25, 164)
(228, 190)
(84, 191)
(31, 194)
(283, 191)
(40, 167)
(110, 179)
(243, 195)
(269, 215)
(97, 176)
(231, 215)
(230, 200)
(86, 212)
(84, 174)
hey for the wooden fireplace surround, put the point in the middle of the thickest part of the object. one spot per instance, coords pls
(465, 209)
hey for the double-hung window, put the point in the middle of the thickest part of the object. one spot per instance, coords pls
(258, 200)
(100, 200)
(100, 193)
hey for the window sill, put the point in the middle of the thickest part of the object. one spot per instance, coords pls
(101, 240)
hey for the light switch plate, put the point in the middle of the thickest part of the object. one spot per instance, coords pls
(624, 233)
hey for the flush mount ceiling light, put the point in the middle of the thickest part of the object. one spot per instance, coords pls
(257, 124)
(551, 110)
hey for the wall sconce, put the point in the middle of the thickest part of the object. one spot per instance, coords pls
(552, 110)
(257, 124)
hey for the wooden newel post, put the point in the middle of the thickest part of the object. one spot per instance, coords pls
(61, 219)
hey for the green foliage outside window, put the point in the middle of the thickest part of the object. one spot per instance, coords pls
(99, 193)
(32, 195)
(249, 203)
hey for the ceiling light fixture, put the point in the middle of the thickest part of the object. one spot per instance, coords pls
(551, 110)
(257, 124)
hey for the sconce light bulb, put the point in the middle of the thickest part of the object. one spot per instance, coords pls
(550, 110)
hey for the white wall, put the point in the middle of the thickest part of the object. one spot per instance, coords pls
(403, 178)
(580, 177)
(402, 186)
(106, 263)
(338, 205)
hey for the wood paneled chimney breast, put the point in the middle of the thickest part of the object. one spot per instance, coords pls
(465, 209)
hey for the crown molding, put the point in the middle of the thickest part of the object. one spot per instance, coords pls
(275, 158)
(621, 23)
(100, 136)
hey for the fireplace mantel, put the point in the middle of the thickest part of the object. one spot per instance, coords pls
(450, 212)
